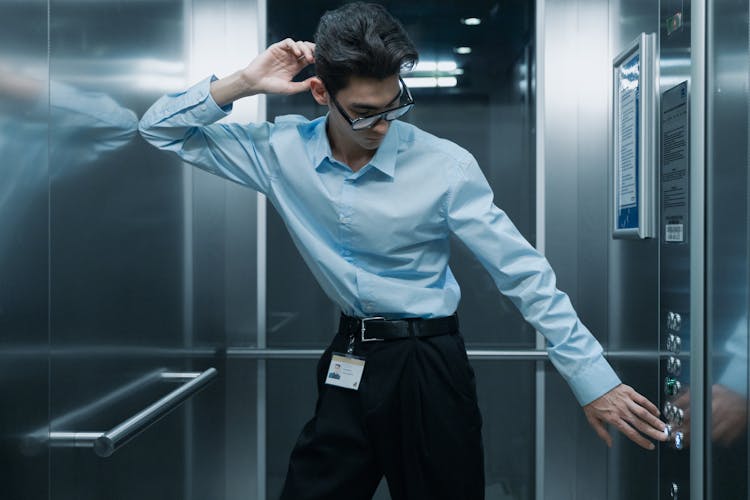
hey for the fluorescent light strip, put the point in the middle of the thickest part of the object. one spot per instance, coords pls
(430, 82)
(425, 66)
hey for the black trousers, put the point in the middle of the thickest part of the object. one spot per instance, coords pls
(414, 419)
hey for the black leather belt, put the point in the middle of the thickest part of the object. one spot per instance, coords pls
(377, 328)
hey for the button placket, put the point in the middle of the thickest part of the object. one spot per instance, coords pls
(345, 217)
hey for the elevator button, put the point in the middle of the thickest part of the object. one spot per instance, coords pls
(677, 322)
(674, 491)
(668, 431)
(674, 366)
(674, 343)
(677, 440)
(672, 386)
(678, 416)
(670, 320)
(667, 409)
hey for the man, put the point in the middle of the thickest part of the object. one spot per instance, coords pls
(370, 203)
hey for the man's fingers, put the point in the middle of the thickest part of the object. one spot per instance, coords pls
(297, 87)
(601, 431)
(633, 435)
(646, 422)
(307, 52)
(291, 46)
(644, 402)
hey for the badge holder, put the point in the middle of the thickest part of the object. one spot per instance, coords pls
(346, 370)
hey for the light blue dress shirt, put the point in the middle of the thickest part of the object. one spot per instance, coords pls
(377, 240)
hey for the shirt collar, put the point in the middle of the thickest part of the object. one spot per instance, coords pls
(384, 159)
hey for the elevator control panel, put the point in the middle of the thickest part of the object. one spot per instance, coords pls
(674, 415)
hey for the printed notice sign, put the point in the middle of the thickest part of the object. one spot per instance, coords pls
(674, 164)
(627, 167)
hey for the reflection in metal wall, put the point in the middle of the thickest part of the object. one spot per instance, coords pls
(24, 376)
(728, 257)
(115, 259)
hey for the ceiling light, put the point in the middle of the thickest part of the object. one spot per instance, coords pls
(430, 82)
(447, 81)
(420, 82)
(426, 66)
(471, 21)
(462, 50)
(446, 66)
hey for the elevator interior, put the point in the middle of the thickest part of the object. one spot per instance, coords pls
(126, 275)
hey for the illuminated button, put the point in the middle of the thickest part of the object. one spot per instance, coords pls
(677, 440)
(674, 491)
(672, 386)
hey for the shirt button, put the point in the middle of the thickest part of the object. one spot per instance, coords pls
(203, 107)
(344, 219)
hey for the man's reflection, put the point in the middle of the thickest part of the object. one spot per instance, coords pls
(728, 419)
(729, 404)
(44, 131)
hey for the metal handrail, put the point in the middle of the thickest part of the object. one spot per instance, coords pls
(106, 443)
(265, 353)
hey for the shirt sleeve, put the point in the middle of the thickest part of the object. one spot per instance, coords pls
(524, 275)
(184, 123)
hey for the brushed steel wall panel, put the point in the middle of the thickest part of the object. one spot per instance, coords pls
(727, 233)
(674, 279)
(24, 341)
(613, 284)
(116, 242)
(633, 294)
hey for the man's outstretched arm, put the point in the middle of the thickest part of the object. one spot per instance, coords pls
(526, 278)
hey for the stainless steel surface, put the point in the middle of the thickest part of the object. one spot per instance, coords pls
(697, 238)
(675, 312)
(725, 442)
(24, 219)
(613, 284)
(252, 353)
(110, 256)
(106, 443)
(539, 86)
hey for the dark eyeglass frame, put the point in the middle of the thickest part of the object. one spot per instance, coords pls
(369, 121)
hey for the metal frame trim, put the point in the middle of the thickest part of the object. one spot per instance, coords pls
(697, 245)
(539, 387)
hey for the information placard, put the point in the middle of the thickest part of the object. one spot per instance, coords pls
(634, 154)
(675, 149)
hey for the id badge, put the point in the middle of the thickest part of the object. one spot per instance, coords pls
(345, 371)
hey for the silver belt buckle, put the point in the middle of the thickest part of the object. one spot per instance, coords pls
(362, 330)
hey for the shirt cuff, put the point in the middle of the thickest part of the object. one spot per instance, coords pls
(597, 379)
(197, 100)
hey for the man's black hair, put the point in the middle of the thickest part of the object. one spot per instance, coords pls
(360, 39)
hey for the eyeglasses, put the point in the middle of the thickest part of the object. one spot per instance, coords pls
(370, 121)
